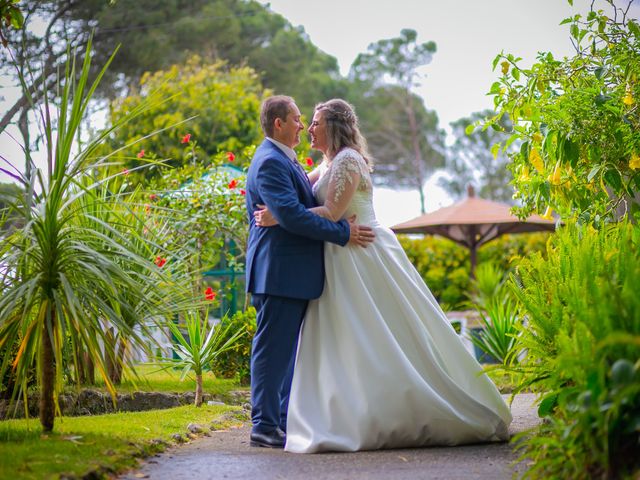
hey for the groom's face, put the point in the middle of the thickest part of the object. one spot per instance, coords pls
(288, 130)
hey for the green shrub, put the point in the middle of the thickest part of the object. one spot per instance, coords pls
(582, 341)
(444, 265)
(235, 362)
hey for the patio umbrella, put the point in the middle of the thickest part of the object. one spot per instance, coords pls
(473, 222)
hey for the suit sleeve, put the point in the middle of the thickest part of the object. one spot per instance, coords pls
(277, 190)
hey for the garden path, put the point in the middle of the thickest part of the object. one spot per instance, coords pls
(227, 455)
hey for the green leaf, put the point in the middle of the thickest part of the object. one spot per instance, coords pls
(599, 72)
(571, 152)
(515, 73)
(613, 179)
(547, 405)
(470, 128)
(602, 99)
(495, 150)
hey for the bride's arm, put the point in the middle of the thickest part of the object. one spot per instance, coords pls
(343, 183)
(339, 194)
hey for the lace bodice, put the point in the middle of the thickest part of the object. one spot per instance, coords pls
(339, 173)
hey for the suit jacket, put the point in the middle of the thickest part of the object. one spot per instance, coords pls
(286, 260)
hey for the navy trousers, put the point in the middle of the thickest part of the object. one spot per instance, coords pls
(272, 359)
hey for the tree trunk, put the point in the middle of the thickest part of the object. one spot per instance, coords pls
(120, 351)
(198, 401)
(47, 380)
(417, 153)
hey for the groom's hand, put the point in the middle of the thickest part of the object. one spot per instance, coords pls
(360, 235)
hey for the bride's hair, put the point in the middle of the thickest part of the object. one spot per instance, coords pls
(342, 128)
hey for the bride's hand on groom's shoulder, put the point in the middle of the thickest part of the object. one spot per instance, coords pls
(360, 235)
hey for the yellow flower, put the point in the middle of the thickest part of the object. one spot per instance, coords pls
(634, 162)
(524, 176)
(548, 214)
(628, 98)
(505, 67)
(536, 160)
(537, 137)
(554, 178)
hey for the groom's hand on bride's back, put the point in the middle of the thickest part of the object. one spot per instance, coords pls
(360, 235)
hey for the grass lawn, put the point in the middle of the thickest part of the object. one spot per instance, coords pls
(103, 443)
(152, 379)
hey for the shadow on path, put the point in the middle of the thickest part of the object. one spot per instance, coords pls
(227, 455)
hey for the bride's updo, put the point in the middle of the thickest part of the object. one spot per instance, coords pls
(342, 128)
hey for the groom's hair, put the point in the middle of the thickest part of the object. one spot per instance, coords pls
(274, 107)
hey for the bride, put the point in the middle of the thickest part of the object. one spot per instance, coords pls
(378, 363)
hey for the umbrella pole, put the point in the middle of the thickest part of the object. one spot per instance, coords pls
(472, 258)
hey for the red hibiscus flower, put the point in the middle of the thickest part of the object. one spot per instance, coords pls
(309, 161)
(186, 138)
(209, 294)
(242, 192)
(230, 156)
(233, 183)
(153, 197)
(160, 261)
(140, 153)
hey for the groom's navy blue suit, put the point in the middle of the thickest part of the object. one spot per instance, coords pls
(285, 269)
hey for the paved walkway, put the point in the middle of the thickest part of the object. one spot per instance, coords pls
(227, 455)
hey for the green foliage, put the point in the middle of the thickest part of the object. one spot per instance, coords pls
(204, 209)
(98, 446)
(471, 160)
(403, 134)
(10, 17)
(235, 362)
(444, 265)
(578, 121)
(221, 105)
(66, 267)
(499, 320)
(499, 314)
(200, 344)
(582, 341)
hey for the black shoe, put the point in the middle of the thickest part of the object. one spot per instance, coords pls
(275, 439)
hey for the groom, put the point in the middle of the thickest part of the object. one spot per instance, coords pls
(285, 264)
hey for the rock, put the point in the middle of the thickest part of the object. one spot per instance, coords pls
(215, 402)
(246, 407)
(141, 401)
(178, 438)
(195, 428)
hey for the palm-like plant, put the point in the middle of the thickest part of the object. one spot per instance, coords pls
(499, 334)
(64, 277)
(201, 345)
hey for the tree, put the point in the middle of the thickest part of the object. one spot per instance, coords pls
(472, 161)
(158, 35)
(10, 17)
(578, 120)
(391, 69)
(63, 276)
(220, 105)
(393, 141)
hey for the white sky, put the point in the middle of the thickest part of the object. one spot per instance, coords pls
(468, 34)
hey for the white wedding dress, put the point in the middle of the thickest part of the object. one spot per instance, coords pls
(378, 363)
